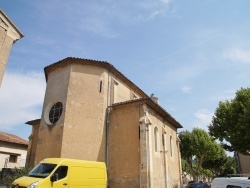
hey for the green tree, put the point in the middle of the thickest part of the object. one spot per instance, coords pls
(14, 174)
(216, 165)
(221, 167)
(231, 123)
(229, 167)
(197, 146)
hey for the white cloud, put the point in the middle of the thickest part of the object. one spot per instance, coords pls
(165, 1)
(101, 18)
(21, 98)
(186, 89)
(238, 55)
(156, 13)
(203, 118)
(152, 9)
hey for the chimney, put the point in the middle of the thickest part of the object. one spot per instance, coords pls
(155, 99)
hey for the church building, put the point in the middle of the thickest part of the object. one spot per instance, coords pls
(9, 34)
(91, 111)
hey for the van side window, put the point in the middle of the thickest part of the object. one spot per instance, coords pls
(62, 172)
(233, 186)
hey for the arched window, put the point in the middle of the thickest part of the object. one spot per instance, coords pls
(156, 135)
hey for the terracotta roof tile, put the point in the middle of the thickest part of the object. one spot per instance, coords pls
(6, 137)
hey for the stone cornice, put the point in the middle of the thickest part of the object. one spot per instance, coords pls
(12, 30)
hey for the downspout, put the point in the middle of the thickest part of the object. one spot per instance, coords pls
(107, 120)
(179, 158)
(107, 132)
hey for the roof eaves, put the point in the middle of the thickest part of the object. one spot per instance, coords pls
(70, 60)
(12, 24)
(32, 122)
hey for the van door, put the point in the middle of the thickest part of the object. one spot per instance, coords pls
(59, 178)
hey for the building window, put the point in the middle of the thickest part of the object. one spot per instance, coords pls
(55, 112)
(100, 86)
(114, 91)
(164, 137)
(156, 138)
(171, 146)
(13, 159)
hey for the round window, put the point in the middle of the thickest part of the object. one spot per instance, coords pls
(53, 112)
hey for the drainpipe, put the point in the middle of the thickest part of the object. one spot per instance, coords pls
(107, 132)
(107, 121)
(179, 158)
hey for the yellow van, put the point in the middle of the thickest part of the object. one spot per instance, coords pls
(66, 173)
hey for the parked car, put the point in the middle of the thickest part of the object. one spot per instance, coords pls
(195, 185)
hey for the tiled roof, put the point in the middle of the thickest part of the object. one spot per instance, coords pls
(6, 137)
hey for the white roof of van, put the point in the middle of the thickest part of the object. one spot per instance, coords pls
(232, 179)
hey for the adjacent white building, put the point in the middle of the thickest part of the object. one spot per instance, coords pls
(13, 151)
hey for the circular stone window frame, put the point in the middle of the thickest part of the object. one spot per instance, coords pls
(47, 111)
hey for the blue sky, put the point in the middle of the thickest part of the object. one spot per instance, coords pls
(190, 54)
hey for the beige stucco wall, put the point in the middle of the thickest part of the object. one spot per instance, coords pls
(81, 131)
(12, 148)
(164, 156)
(8, 35)
(164, 165)
(125, 151)
(124, 147)
(30, 160)
(244, 161)
(86, 110)
(84, 125)
(5, 47)
(50, 136)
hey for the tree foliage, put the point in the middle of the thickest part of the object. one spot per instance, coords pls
(215, 165)
(196, 147)
(222, 166)
(231, 123)
(14, 174)
(229, 167)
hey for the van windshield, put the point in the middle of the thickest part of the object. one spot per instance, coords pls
(42, 170)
